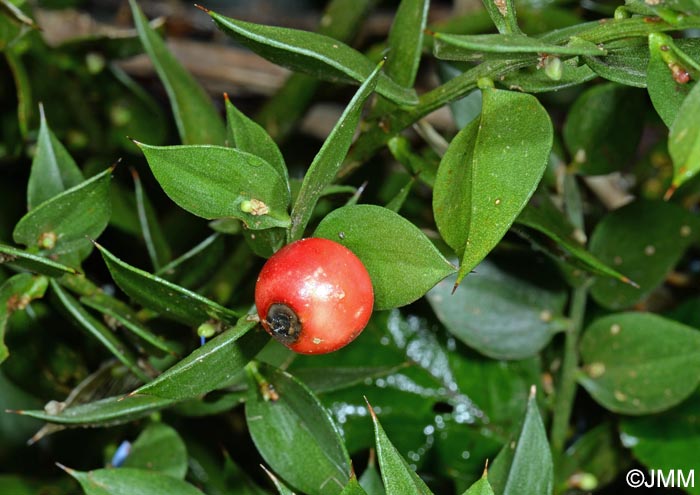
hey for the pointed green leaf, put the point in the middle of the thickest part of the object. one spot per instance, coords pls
(295, 434)
(666, 92)
(399, 478)
(15, 294)
(402, 262)
(481, 487)
(33, 262)
(104, 335)
(214, 182)
(282, 489)
(157, 246)
(502, 14)
(66, 223)
(194, 266)
(405, 41)
(371, 480)
(210, 365)
(353, 488)
(524, 465)
(534, 80)
(330, 157)
(312, 53)
(159, 448)
(644, 240)
(130, 481)
(501, 314)
(542, 215)
(126, 317)
(489, 172)
(684, 139)
(470, 47)
(104, 412)
(280, 114)
(18, 66)
(247, 135)
(196, 117)
(603, 128)
(639, 363)
(170, 300)
(53, 169)
(626, 62)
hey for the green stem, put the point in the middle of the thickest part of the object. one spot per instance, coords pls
(381, 130)
(567, 382)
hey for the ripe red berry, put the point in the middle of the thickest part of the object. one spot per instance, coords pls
(314, 296)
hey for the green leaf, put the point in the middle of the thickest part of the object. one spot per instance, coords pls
(405, 41)
(65, 223)
(312, 53)
(639, 363)
(194, 267)
(353, 488)
(197, 119)
(397, 475)
(127, 318)
(33, 262)
(489, 172)
(282, 489)
(524, 465)
(468, 47)
(104, 412)
(159, 448)
(130, 481)
(247, 135)
(213, 182)
(667, 94)
(18, 66)
(667, 441)
(210, 365)
(542, 215)
(596, 453)
(534, 80)
(503, 15)
(295, 434)
(157, 246)
(626, 62)
(170, 300)
(330, 157)
(15, 294)
(684, 140)
(500, 314)
(604, 127)
(481, 487)
(321, 380)
(644, 240)
(12, 11)
(104, 335)
(402, 262)
(53, 169)
(371, 480)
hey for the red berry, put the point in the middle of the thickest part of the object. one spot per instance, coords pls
(314, 296)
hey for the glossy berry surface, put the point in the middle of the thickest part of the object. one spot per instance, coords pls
(314, 296)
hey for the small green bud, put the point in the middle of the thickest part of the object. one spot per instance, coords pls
(484, 83)
(206, 330)
(47, 240)
(554, 68)
(95, 62)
